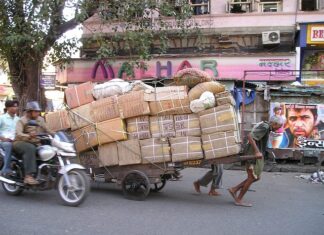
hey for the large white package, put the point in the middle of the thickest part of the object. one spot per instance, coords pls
(206, 101)
(115, 86)
(139, 85)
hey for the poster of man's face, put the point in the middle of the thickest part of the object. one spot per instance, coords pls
(301, 123)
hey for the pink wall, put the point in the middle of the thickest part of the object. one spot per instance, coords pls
(222, 68)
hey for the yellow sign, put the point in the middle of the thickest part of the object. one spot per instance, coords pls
(315, 34)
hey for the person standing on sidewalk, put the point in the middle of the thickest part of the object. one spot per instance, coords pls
(8, 123)
(214, 175)
(257, 144)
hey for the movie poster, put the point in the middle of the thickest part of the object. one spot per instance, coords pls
(303, 126)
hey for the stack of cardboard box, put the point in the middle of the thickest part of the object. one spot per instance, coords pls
(146, 126)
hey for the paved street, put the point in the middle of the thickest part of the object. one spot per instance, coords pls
(283, 204)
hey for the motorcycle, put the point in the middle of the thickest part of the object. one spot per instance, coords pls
(54, 169)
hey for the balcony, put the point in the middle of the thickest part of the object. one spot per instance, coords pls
(233, 23)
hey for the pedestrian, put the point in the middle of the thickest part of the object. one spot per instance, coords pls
(257, 143)
(214, 176)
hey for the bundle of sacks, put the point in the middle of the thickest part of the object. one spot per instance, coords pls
(122, 123)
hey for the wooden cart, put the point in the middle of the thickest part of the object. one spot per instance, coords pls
(137, 181)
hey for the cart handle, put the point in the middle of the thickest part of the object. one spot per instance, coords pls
(248, 157)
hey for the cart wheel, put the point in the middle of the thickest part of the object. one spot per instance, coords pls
(136, 186)
(158, 186)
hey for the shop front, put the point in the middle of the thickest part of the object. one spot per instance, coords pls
(312, 54)
(221, 68)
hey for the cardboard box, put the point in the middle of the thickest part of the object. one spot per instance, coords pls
(187, 125)
(133, 105)
(80, 117)
(108, 155)
(96, 111)
(85, 138)
(168, 107)
(111, 131)
(166, 93)
(155, 151)
(224, 98)
(89, 159)
(79, 95)
(138, 127)
(58, 121)
(186, 148)
(162, 126)
(129, 152)
(221, 118)
(101, 133)
(221, 144)
(104, 109)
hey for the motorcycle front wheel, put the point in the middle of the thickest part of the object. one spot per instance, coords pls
(77, 192)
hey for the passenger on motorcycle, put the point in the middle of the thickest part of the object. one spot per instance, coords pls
(26, 140)
(7, 133)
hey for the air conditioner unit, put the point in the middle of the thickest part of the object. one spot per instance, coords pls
(270, 37)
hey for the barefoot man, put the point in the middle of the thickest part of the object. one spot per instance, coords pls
(257, 145)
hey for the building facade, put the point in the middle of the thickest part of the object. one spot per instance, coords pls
(239, 39)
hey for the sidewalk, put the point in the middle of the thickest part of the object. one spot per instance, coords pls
(276, 167)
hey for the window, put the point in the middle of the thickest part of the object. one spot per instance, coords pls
(270, 5)
(308, 5)
(200, 7)
(239, 6)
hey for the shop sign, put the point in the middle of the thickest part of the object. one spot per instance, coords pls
(315, 34)
(303, 126)
(47, 81)
(221, 68)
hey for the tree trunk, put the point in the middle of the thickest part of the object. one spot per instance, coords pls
(25, 79)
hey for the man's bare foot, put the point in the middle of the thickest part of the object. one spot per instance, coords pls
(197, 187)
(213, 193)
(244, 204)
(233, 194)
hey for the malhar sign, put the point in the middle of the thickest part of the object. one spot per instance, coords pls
(315, 34)
(221, 68)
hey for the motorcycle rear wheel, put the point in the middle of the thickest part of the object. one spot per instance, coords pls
(79, 190)
(14, 190)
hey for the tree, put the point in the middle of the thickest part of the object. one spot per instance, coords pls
(28, 30)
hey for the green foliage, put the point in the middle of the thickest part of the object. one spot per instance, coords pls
(30, 28)
(140, 28)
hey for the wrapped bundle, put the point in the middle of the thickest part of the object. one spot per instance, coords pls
(224, 98)
(221, 118)
(58, 121)
(191, 77)
(115, 86)
(108, 155)
(162, 126)
(129, 152)
(213, 87)
(186, 148)
(138, 127)
(221, 144)
(79, 95)
(155, 151)
(187, 125)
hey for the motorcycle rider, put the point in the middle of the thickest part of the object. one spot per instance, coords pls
(7, 133)
(26, 141)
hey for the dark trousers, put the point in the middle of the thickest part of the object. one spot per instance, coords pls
(214, 175)
(28, 153)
